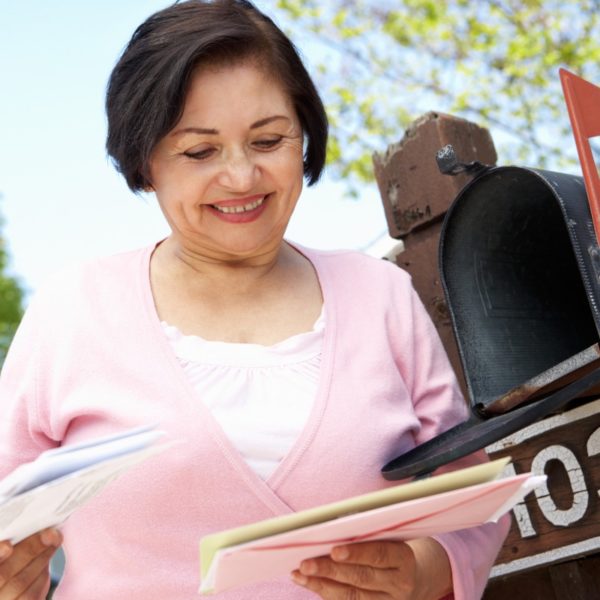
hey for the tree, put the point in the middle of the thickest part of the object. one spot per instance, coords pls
(383, 63)
(11, 301)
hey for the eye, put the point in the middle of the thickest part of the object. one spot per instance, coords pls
(200, 154)
(267, 143)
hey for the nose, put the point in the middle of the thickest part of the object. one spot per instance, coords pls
(238, 172)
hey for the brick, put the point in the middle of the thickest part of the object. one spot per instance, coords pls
(413, 190)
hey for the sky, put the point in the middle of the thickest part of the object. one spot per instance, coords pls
(62, 200)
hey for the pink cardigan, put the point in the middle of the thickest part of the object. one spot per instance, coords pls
(90, 358)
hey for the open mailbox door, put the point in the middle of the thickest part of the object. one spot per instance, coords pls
(520, 268)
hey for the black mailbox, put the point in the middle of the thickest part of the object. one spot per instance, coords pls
(520, 268)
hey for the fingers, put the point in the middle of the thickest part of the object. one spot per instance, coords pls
(370, 570)
(6, 549)
(38, 589)
(378, 554)
(324, 575)
(333, 590)
(27, 550)
(24, 569)
(31, 582)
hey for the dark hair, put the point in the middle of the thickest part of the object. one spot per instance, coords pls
(147, 88)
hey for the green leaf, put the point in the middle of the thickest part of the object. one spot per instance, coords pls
(493, 63)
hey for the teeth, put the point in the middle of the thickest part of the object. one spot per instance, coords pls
(239, 209)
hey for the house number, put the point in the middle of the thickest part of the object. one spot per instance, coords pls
(556, 516)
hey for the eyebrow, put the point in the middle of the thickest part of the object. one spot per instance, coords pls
(208, 131)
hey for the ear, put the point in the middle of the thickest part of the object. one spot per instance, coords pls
(147, 186)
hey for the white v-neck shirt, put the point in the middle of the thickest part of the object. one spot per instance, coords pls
(261, 396)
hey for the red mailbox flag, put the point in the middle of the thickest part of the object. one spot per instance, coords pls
(583, 104)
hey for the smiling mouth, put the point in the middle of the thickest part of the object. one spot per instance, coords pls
(239, 209)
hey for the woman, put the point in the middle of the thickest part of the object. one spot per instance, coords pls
(291, 374)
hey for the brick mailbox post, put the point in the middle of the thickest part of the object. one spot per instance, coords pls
(553, 548)
(415, 199)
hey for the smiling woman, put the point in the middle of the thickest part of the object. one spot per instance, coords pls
(291, 374)
(234, 163)
(227, 178)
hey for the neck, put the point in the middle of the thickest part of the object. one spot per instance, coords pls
(170, 256)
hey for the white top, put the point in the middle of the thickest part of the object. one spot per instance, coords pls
(261, 396)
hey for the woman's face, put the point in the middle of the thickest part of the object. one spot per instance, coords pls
(229, 174)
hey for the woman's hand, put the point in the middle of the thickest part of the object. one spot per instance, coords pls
(24, 573)
(415, 570)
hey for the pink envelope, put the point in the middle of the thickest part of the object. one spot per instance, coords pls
(280, 554)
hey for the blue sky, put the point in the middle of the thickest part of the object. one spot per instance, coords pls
(62, 200)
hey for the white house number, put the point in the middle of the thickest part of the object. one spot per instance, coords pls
(557, 516)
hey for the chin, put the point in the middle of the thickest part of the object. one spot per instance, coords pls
(250, 245)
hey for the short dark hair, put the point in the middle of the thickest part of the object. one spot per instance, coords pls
(147, 88)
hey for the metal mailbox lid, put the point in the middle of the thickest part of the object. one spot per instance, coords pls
(519, 268)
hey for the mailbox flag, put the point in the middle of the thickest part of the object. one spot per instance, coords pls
(583, 104)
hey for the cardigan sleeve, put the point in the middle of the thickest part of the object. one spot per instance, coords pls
(439, 405)
(22, 432)
(436, 396)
